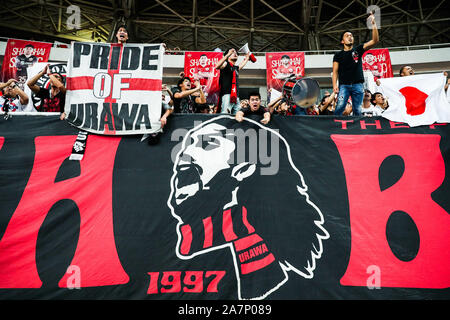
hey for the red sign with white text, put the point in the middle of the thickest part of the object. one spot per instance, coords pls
(20, 55)
(282, 65)
(201, 66)
(378, 61)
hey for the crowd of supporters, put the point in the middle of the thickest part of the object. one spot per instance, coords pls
(348, 96)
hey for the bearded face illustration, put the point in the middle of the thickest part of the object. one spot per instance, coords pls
(224, 199)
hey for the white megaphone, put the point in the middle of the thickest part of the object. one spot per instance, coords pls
(246, 50)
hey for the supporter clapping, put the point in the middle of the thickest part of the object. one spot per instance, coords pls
(13, 98)
(53, 99)
(280, 106)
(327, 104)
(187, 99)
(312, 110)
(229, 80)
(244, 103)
(348, 111)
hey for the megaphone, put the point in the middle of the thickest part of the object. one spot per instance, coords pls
(302, 92)
(246, 50)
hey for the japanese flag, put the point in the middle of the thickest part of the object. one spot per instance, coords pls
(416, 100)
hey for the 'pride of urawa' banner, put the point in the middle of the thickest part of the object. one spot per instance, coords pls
(114, 89)
(303, 208)
(282, 65)
(201, 66)
(20, 55)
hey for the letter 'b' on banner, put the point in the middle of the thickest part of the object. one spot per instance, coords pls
(371, 208)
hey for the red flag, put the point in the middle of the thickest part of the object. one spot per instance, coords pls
(200, 66)
(20, 55)
(281, 65)
(378, 61)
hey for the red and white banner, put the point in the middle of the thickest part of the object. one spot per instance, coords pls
(21, 55)
(114, 89)
(200, 66)
(281, 65)
(416, 100)
(378, 61)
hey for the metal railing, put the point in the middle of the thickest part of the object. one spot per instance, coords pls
(324, 52)
(311, 52)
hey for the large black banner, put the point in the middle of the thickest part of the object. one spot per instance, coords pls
(303, 208)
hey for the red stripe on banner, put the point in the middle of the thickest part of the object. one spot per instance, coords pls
(109, 99)
(208, 227)
(186, 231)
(245, 221)
(79, 83)
(227, 226)
(143, 84)
(256, 265)
(244, 243)
(139, 84)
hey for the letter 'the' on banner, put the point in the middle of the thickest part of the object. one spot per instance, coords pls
(370, 209)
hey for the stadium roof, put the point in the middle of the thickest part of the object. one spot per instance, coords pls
(267, 25)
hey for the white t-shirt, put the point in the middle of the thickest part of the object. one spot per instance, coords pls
(379, 109)
(14, 104)
(371, 111)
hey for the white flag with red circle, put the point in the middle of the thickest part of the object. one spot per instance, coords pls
(416, 100)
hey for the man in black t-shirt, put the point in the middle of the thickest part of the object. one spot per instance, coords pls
(52, 99)
(229, 80)
(347, 67)
(25, 60)
(254, 108)
(187, 99)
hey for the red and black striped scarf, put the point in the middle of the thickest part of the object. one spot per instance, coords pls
(233, 94)
(251, 250)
